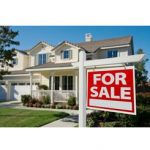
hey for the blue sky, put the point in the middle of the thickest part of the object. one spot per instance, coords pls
(31, 35)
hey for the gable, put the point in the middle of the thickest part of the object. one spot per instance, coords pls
(64, 46)
(41, 48)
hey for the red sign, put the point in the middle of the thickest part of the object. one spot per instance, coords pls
(112, 90)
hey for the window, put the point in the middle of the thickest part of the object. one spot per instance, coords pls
(15, 61)
(21, 83)
(112, 53)
(13, 84)
(57, 79)
(66, 54)
(42, 59)
(67, 82)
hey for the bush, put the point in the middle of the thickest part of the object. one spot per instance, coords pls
(93, 119)
(46, 99)
(43, 87)
(25, 99)
(72, 101)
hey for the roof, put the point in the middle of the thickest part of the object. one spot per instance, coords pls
(41, 42)
(51, 65)
(18, 72)
(23, 52)
(65, 42)
(94, 45)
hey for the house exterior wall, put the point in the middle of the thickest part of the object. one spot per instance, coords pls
(122, 52)
(22, 62)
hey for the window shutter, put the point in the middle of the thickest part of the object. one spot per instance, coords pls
(61, 53)
(70, 54)
(36, 59)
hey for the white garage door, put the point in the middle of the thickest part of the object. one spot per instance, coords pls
(18, 90)
(3, 92)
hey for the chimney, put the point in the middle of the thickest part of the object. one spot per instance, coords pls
(88, 37)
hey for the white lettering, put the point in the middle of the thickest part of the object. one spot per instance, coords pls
(97, 78)
(104, 92)
(110, 76)
(125, 93)
(121, 77)
(94, 92)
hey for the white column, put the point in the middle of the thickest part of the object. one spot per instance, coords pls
(76, 87)
(82, 90)
(8, 85)
(31, 79)
(60, 88)
(52, 88)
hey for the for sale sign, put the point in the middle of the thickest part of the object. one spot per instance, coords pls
(112, 90)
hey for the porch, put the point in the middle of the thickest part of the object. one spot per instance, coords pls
(61, 85)
(55, 95)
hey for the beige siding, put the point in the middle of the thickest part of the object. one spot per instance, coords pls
(122, 52)
(22, 62)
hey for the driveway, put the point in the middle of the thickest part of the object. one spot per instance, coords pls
(10, 104)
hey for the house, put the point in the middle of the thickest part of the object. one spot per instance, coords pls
(52, 66)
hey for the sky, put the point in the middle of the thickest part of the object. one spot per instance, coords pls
(29, 36)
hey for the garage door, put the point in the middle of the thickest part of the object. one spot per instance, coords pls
(18, 90)
(3, 92)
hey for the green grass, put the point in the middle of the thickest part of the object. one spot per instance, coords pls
(27, 118)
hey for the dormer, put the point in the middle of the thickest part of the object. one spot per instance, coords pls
(41, 54)
(66, 52)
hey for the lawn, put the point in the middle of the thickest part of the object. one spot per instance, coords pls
(27, 118)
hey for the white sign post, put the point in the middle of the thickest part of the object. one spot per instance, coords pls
(82, 90)
(101, 63)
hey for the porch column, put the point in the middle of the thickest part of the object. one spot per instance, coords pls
(8, 90)
(52, 88)
(31, 79)
(76, 87)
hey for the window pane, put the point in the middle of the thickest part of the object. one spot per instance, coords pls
(115, 53)
(56, 82)
(64, 82)
(44, 59)
(109, 54)
(15, 61)
(40, 59)
(66, 54)
(70, 82)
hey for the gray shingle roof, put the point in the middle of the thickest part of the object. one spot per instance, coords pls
(51, 65)
(18, 72)
(94, 45)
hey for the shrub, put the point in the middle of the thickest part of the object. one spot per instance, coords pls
(72, 101)
(59, 106)
(33, 100)
(93, 119)
(25, 99)
(43, 87)
(46, 99)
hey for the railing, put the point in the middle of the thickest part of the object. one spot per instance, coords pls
(58, 96)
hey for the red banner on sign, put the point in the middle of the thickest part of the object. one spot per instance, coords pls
(112, 89)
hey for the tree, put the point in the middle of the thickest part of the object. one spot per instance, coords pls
(7, 52)
(141, 72)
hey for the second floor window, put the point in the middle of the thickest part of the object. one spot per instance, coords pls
(41, 59)
(66, 54)
(112, 53)
(15, 61)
